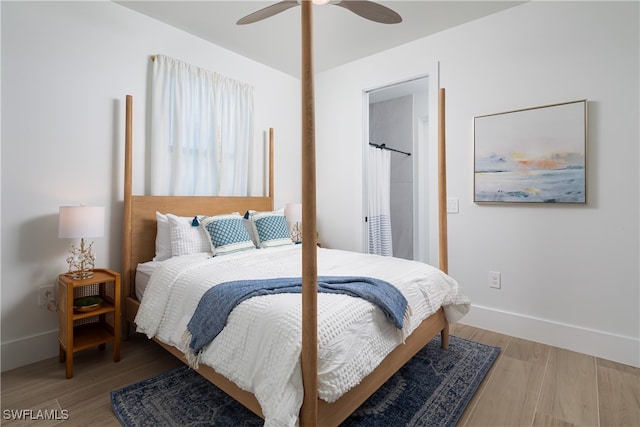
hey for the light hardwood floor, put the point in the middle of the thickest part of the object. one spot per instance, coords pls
(530, 384)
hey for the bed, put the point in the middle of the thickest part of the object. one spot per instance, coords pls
(139, 247)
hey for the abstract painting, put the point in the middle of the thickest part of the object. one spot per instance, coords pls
(533, 155)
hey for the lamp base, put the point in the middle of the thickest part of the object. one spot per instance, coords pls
(296, 233)
(81, 261)
(81, 275)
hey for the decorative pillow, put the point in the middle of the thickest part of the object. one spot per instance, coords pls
(187, 238)
(227, 233)
(251, 229)
(271, 228)
(163, 238)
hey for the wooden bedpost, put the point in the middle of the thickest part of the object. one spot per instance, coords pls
(442, 185)
(271, 178)
(442, 202)
(309, 356)
(127, 271)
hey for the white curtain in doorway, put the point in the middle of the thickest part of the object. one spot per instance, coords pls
(379, 200)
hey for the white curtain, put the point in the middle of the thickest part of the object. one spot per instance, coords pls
(201, 131)
(379, 201)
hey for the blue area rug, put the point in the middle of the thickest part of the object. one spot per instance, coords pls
(432, 389)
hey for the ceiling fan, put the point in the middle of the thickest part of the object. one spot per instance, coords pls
(366, 9)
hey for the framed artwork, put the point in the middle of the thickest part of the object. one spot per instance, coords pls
(534, 155)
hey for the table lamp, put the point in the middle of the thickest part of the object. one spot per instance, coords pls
(80, 222)
(293, 214)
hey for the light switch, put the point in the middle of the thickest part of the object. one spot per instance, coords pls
(452, 205)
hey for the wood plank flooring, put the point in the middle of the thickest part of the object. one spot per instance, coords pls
(530, 384)
(537, 385)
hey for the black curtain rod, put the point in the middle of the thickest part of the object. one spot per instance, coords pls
(384, 147)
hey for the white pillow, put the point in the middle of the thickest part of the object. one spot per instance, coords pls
(187, 238)
(163, 238)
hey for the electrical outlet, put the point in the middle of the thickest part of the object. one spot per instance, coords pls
(47, 298)
(495, 279)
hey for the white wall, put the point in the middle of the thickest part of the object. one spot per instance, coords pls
(66, 68)
(570, 273)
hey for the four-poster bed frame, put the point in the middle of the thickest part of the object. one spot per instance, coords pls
(139, 230)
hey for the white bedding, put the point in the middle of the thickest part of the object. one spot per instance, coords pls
(143, 275)
(259, 349)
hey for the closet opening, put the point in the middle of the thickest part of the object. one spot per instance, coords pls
(395, 193)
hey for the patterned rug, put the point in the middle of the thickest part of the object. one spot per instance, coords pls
(432, 389)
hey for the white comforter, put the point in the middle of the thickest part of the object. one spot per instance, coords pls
(259, 349)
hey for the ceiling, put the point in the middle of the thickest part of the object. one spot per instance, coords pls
(339, 35)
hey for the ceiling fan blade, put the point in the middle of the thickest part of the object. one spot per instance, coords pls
(371, 11)
(268, 11)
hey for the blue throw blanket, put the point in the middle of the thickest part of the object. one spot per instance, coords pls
(217, 303)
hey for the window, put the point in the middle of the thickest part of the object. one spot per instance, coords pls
(201, 131)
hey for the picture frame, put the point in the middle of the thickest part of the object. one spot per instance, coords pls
(532, 155)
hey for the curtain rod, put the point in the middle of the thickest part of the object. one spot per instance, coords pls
(384, 147)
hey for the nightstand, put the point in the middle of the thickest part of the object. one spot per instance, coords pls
(79, 330)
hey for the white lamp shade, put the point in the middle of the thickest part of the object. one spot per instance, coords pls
(293, 212)
(77, 222)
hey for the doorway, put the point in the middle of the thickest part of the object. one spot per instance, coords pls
(398, 123)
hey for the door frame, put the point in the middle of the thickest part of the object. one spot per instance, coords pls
(425, 170)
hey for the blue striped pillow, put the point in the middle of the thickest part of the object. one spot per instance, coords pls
(227, 233)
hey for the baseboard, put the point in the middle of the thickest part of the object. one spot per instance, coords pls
(608, 346)
(601, 344)
(25, 351)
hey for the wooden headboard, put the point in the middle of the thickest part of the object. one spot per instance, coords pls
(139, 222)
